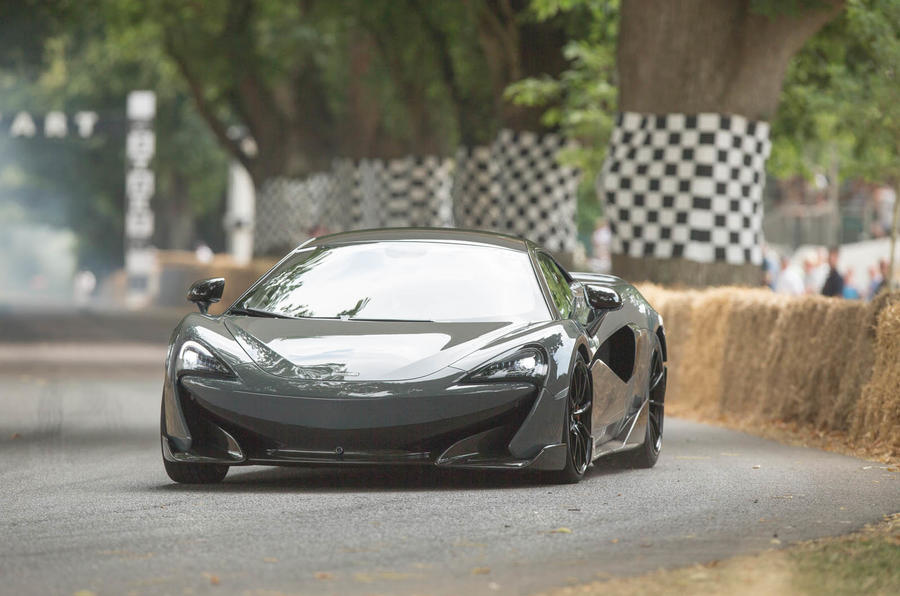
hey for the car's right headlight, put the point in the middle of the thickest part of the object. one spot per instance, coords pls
(195, 358)
(527, 364)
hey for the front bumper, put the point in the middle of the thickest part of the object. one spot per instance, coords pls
(508, 426)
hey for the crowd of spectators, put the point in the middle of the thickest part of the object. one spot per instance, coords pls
(819, 274)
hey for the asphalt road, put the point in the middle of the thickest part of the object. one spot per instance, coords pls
(85, 505)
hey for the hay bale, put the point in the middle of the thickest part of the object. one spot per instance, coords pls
(698, 361)
(811, 360)
(877, 416)
(839, 340)
(796, 355)
(857, 370)
(814, 340)
(747, 347)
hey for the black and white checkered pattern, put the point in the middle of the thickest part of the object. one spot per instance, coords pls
(287, 209)
(687, 186)
(412, 191)
(517, 186)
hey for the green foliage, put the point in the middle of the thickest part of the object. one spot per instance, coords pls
(315, 79)
(841, 99)
(840, 104)
(868, 563)
(86, 63)
(582, 100)
(318, 79)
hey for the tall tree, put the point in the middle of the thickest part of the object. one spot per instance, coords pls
(517, 46)
(308, 80)
(318, 79)
(684, 58)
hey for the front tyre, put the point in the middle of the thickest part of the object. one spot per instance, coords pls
(578, 419)
(188, 473)
(647, 454)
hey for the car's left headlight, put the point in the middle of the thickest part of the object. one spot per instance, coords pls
(527, 364)
(194, 357)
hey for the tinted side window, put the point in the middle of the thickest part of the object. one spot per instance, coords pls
(559, 287)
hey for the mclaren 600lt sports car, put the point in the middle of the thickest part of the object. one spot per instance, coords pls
(438, 347)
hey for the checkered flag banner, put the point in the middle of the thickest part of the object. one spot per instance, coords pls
(686, 186)
(516, 185)
(412, 191)
(288, 209)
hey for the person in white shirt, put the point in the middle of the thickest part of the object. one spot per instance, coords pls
(789, 280)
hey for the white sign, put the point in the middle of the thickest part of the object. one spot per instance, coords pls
(141, 105)
(139, 224)
(85, 122)
(22, 125)
(140, 145)
(55, 125)
(140, 185)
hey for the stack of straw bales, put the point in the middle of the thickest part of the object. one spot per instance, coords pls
(821, 363)
(877, 414)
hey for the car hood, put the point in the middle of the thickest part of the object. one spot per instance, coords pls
(330, 349)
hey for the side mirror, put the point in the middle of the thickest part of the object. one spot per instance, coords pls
(602, 298)
(206, 292)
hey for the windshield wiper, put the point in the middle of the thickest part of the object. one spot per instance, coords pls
(255, 312)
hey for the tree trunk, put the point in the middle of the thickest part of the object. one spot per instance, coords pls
(699, 178)
(515, 49)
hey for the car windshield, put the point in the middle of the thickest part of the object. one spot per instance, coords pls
(402, 280)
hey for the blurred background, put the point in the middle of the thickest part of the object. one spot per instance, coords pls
(145, 145)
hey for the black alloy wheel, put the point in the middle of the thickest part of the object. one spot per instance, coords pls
(580, 418)
(579, 444)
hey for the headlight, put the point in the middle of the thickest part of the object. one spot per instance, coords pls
(529, 364)
(196, 358)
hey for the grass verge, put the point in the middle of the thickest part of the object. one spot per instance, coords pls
(864, 562)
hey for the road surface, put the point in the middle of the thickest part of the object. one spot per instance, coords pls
(85, 505)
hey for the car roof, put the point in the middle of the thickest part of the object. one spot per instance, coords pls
(427, 234)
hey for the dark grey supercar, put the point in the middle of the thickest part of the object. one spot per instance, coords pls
(450, 348)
